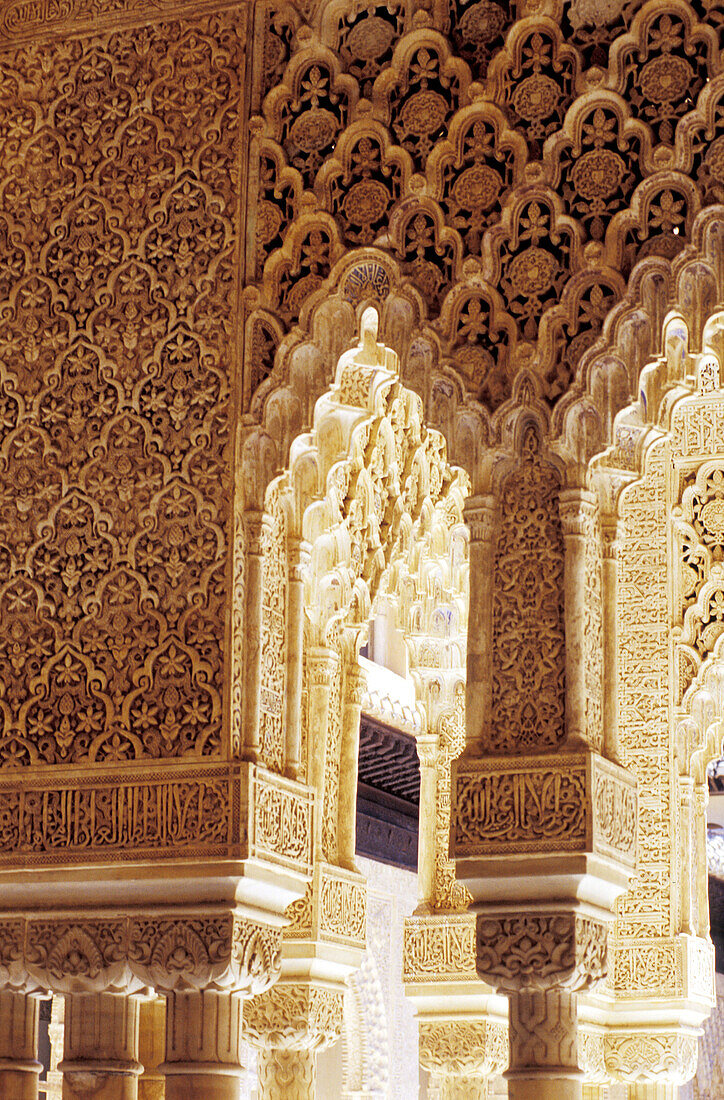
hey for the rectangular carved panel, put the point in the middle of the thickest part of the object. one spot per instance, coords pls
(439, 948)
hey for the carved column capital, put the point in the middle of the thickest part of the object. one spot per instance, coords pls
(479, 515)
(651, 1055)
(463, 1048)
(225, 952)
(355, 684)
(551, 950)
(611, 537)
(294, 1016)
(576, 508)
(254, 530)
(322, 664)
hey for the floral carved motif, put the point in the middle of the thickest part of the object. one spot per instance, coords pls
(529, 692)
(461, 1048)
(541, 951)
(114, 375)
(294, 1017)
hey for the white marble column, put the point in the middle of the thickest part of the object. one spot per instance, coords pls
(100, 1052)
(19, 1065)
(544, 1046)
(203, 1046)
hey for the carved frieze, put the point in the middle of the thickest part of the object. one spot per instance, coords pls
(539, 804)
(439, 947)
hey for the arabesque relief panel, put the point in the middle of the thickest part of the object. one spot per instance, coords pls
(119, 209)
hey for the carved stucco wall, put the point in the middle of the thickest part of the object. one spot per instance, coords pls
(378, 1051)
(119, 236)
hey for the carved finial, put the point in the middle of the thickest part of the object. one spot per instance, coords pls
(369, 327)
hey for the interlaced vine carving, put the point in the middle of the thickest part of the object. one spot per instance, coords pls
(118, 207)
(528, 632)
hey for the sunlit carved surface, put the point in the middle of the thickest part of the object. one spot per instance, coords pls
(216, 465)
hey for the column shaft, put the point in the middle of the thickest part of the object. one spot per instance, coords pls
(544, 1046)
(252, 637)
(354, 685)
(151, 1049)
(322, 667)
(427, 751)
(298, 556)
(203, 1046)
(686, 788)
(19, 1065)
(287, 1074)
(479, 514)
(653, 1091)
(609, 595)
(100, 1054)
(574, 504)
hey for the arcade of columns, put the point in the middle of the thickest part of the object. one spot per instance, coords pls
(509, 214)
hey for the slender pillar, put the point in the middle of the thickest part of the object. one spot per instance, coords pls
(322, 667)
(609, 595)
(298, 560)
(544, 1046)
(686, 791)
(151, 1049)
(254, 522)
(701, 801)
(480, 518)
(19, 1065)
(100, 1055)
(595, 1092)
(427, 750)
(575, 507)
(354, 688)
(287, 1074)
(203, 1046)
(56, 1030)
